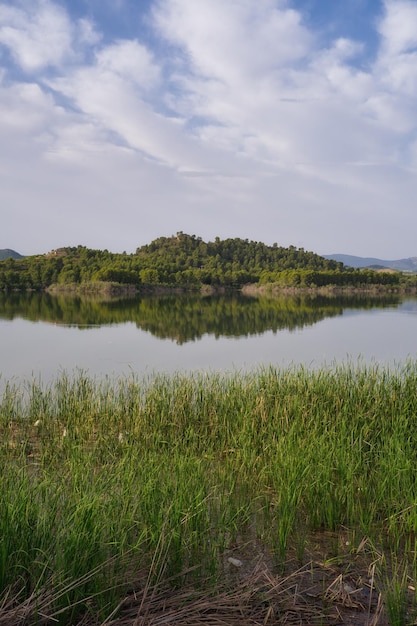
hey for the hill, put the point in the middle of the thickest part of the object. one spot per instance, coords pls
(403, 265)
(6, 253)
(186, 262)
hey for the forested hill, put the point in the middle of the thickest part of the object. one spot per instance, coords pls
(182, 260)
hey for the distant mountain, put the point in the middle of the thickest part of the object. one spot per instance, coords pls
(404, 265)
(7, 253)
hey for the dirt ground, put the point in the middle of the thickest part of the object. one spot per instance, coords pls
(335, 584)
(333, 579)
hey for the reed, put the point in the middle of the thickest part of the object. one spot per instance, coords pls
(103, 479)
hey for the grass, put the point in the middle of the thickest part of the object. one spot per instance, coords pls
(108, 486)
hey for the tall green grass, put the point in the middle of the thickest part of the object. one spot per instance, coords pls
(103, 479)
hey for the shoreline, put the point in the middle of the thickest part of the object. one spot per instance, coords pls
(117, 289)
(329, 290)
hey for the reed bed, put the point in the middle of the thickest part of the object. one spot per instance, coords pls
(115, 493)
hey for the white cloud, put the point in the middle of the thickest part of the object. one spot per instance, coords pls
(275, 96)
(237, 123)
(24, 108)
(37, 35)
(397, 62)
(231, 41)
(274, 99)
(398, 27)
(116, 106)
(124, 103)
(40, 34)
(129, 60)
(86, 32)
(393, 99)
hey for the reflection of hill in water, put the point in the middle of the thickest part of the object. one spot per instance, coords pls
(187, 318)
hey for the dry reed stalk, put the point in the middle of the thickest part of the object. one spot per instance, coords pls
(260, 599)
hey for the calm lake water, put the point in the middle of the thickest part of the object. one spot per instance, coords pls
(41, 335)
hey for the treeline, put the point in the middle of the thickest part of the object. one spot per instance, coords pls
(321, 278)
(186, 261)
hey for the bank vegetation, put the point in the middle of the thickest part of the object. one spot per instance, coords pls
(186, 262)
(277, 496)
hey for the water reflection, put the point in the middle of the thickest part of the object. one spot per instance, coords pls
(43, 335)
(189, 317)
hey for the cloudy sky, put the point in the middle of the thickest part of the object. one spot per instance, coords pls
(288, 121)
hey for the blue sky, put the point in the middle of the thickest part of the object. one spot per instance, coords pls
(288, 121)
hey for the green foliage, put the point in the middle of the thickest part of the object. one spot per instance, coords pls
(320, 278)
(101, 480)
(188, 261)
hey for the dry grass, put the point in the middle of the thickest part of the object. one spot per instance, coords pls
(323, 591)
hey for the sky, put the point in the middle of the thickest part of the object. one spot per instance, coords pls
(287, 121)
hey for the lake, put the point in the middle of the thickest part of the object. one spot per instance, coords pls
(43, 335)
